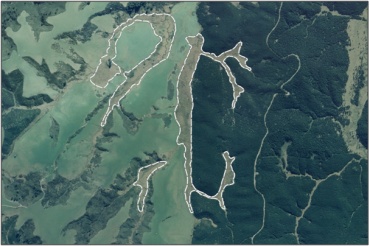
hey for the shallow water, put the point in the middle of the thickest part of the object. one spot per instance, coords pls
(35, 151)
(50, 222)
(169, 183)
(136, 43)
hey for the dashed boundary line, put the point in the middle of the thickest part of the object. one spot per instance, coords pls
(232, 159)
(104, 120)
(231, 76)
(115, 48)
(188, 175)
(221, 188)
(189, 181)
(141, 209)
(232, 80)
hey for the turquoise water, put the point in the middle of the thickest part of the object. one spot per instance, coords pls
(35, 151)
(169, 184)
(152, 88)
(71, 19)
(136, 43)
(50, 222)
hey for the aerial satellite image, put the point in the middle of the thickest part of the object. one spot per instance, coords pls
(184, 123)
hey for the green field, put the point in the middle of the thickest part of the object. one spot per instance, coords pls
(136, 43)
(298, 133)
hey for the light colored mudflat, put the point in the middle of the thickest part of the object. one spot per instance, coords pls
(163, 26)
(105, 72)
(227, 179)
(358, 57)
(142, 181)
(183, 115)
(234, 53)
(169, 184)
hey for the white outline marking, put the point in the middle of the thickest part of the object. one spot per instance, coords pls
(111, 107)
(115, 48)
(220, 59)
(232, 80)
(147, 183)
(231, 76)
(219, 195)
(188, 175)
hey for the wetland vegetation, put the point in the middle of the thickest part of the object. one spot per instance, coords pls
(298, 132)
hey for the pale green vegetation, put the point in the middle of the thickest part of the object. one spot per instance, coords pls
(68, 113)
(153, 88)
(50, 222)
(169, 184)
(104, 23)
(70, 156)
(142, 181)
(33, 83)
(136, 43)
